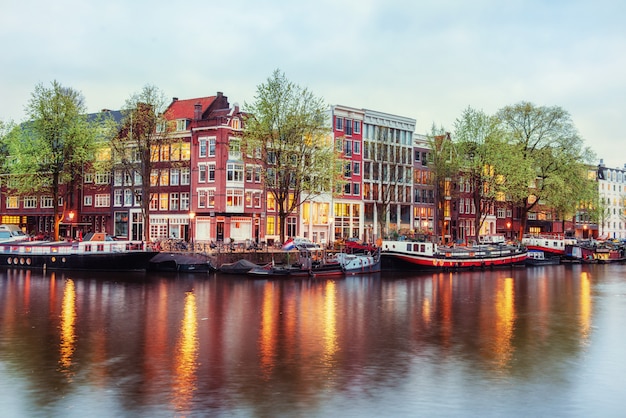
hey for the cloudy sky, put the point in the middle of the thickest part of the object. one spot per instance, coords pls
(428, 60)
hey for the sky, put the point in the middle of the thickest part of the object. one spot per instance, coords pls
(427, 60)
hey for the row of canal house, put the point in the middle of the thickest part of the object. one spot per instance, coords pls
(207, 192)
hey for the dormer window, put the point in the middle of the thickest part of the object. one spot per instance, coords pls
(182, 124)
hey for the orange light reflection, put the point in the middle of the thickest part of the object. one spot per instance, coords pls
(186, 355)
(68, 332)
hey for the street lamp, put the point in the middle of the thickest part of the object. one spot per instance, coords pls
(192, 215)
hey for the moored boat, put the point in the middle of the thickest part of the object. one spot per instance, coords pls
(361, 263)
(182, 262)
(413, 255)
(242, 266)
(549, 244)
(97, 252)
(539, 258)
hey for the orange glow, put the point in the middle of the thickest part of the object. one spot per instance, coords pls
(504, 323)
(266, 343)
(329, 323)
(68, 331)
(187, 355)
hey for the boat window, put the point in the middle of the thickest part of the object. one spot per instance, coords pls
(408, 247)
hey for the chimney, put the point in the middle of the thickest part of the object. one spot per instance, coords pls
(174, 99)
(197, 111)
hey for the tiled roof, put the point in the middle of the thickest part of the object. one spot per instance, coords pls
(184, 109)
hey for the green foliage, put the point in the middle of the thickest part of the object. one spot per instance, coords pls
(136, 145)
(550, 157)
(286, 131)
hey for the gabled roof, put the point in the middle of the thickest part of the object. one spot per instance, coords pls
(184, 109)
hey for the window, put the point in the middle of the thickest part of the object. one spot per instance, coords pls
(234, 149)
(184, 176)
(103, 200)
(357, 127)
(163, 201)
(202, 147)
(234, 172)
(13, 202)
(356, 168)
(128, 197)
(184, 201)
(88, 178)
(202, 198)
(339, 124)
(211, 147)
(356, 189)
(347, 148)
(30, 202)
(234, 198)
(202, 173)
(47, 202)
(181, 124)
(175, 153)
(211, 169)
(117, 197)
(348, 126)
(165, 178)
(174, 200)
(174, 176)
(356, 145)
(185, 151)
(103, 178)
(87, 200)
(165, 152)
(210, 198)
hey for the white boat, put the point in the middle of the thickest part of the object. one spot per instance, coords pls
(412, 255)
(97, 252)
(359, 263)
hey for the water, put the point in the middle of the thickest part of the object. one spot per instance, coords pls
(545, 341)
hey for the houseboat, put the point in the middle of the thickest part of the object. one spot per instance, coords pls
(97, 251)
(411, 255)
(549, 244)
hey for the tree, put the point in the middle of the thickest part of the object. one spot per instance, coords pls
(484, 163)
(551, 158)
(287, 134)
(137, 146)
(445, 168)
(48, 153)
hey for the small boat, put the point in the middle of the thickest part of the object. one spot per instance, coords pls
(581, 252)
(549, 244)
(276, 271)
(360, 263)
(183, 262)
(98, 251)
(538, 258)
(242, 266)
(412, 255)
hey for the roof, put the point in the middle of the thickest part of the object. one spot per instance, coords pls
(184, 109)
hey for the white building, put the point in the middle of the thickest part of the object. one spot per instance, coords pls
(612, 193)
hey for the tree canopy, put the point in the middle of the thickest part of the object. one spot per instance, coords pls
(49, 150)
(286, 130)
(550, 158)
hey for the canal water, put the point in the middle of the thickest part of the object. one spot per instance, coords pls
(543, 341)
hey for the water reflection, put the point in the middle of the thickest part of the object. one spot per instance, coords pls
(67, 327)
(186, 356)
(163, 345)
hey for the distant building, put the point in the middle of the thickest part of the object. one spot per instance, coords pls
(612, 194)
